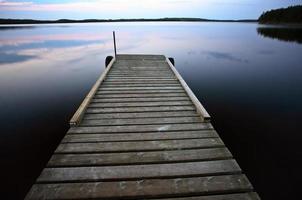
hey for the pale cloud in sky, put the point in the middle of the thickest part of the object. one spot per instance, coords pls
(81, 9)
(101, 5)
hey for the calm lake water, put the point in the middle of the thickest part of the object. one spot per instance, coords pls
(248, 77)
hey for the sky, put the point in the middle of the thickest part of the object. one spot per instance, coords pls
(116, 9)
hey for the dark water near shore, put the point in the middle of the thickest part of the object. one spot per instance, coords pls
(249, 78)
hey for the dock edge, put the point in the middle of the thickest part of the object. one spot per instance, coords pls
(77, 117)
(200, 109)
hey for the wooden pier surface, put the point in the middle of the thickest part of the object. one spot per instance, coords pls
(142, 134)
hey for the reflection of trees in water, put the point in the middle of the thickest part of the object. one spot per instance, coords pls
(283, 34)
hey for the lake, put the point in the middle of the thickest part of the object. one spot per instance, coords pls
(247, 76)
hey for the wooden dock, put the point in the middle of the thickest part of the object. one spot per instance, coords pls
(142, 134)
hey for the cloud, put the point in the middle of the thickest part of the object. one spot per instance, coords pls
(100, 5)
(4, 4)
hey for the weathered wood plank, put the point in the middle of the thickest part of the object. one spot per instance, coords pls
(117, 173)
(99, 92)
(137, 146)
(146, 99)
(147, 76)
(140, 85)
(142, 70)
(140, 95)
(141, 115)
(139, 104)
(114, 122)
(140, 88)
(151, 157)
(140, 109)
(140, 57)
(142, 188)
(133, 82)
(138, 79)
(86, 138)
(239, 196)
(141, 128)
(149, 72)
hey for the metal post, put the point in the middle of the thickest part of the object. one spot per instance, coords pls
(114, 44)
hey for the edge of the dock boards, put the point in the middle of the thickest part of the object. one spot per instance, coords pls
(77, 117)
(199, 107)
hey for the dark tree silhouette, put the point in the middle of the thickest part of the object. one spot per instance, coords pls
(292, 14)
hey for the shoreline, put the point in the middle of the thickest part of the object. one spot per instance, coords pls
(67, 21)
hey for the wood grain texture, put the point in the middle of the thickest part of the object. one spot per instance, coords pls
(141, 128)
(143, 188)
(117, 173)
(114, 122)
(182, 113)
(139, 99)
(103, 137)
(139, 146)
(140, 109)
(97, 159)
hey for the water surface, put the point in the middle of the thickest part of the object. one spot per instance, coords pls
(248, 77)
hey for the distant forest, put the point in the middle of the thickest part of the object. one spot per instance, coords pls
(292, 14)
(32, 21)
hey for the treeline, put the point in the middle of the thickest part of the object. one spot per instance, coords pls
(292, 14)
(31, 21)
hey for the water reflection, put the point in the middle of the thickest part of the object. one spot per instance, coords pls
(288, 34)
(241, 79)
(8, 27)
(224, 56)
(8, 58)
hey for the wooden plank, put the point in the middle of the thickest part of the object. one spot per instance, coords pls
(141, 74)
(86, 138)
(151, 157)
(139, 91)
(158, 67)
(114, 122)
(137, 74)
(141, 70)
(140, 88)
(139, 79)
(117, 173)
(140, 95)
(141, 115)
(200, 109)
(96, 99)
(139, 104)
(140, 57)
(131, 81)
(139, 109)
(238, 196)
(149, 72)
(77, 117)
(141, 128)
(143, 188)
(141, 85)
(137, 146)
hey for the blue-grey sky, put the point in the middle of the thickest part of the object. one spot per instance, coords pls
(113, 9)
